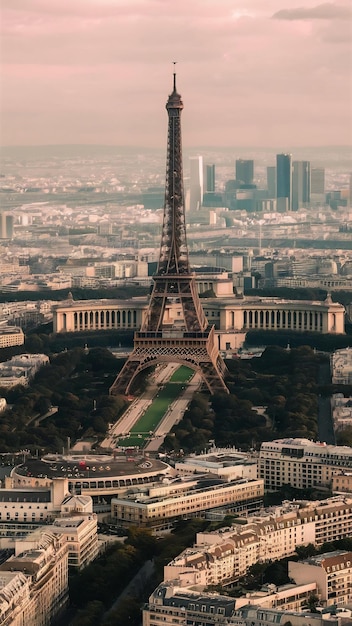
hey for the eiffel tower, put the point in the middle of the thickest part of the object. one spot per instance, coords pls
(193, 342)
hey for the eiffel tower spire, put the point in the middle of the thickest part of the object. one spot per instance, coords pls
(173, 278)
(193, 342)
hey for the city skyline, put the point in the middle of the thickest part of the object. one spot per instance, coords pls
(95, 73)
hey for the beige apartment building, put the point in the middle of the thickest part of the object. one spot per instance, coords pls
(161, 505)
(342, 482)
(174, 603)
(17, 607)
(11, 336)
(43, 592)
(81, 535)
(301, 463)
(225, 555)
(332, 572)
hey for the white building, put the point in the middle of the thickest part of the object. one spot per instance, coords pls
(225, 555)
(226, 463)
(45, 567)
(161, 505)
(21, 368)
(301, 463)
(11, 336)
(80, 533)
(16, 604)
(341, 367)
(174, 603)
(196, 186)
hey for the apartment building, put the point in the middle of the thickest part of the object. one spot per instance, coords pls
(225, 555)
(161, 505)
(175, 603)
(332, 572)
(81, 535)
(11, 336)
(301, 463)
(342, 483)
(172, 605)
(17, 607)
(45, 568)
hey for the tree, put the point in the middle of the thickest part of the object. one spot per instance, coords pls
(312, 602)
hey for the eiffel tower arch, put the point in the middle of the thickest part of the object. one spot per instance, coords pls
(190, 341)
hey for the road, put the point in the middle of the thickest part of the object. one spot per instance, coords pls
(139, 406)
(325, 421)
(136, 586)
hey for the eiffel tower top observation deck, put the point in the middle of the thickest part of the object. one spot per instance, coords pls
(192, 341)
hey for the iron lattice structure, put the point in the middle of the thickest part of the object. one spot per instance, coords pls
(193, 344)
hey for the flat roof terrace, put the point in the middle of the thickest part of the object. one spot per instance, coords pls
(90, 468)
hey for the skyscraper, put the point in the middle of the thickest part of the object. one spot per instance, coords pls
(317, 186)
(300, 184)
(210, 178)
(271, 181)
(196, 183)
(6, 225)
(318, 180)
(284, 182)
(244, 171)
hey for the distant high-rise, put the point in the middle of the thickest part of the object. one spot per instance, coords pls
(196, 183)
(284, 182)
(300, 184)
(6, 226)
(271, 181)
(318, 180)
(210, 178)
(244, 171)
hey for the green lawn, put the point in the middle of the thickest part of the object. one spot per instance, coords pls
(181, 375)
(154, 414)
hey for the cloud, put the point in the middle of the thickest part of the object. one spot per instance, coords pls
(100, 70)
(327, 11)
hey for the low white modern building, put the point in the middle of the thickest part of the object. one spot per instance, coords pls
(162, 505)
(11, 336)
(21, 368)
(226, 463)
(341, 366)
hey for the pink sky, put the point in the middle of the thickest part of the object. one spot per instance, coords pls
(251, 72)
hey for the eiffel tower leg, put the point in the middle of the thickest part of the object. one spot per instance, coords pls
(122, 382)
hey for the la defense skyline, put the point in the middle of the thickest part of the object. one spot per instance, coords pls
(291, 183)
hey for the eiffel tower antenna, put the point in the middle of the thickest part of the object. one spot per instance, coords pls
(193, 342)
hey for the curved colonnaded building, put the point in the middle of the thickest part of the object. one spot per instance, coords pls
(231, 316)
